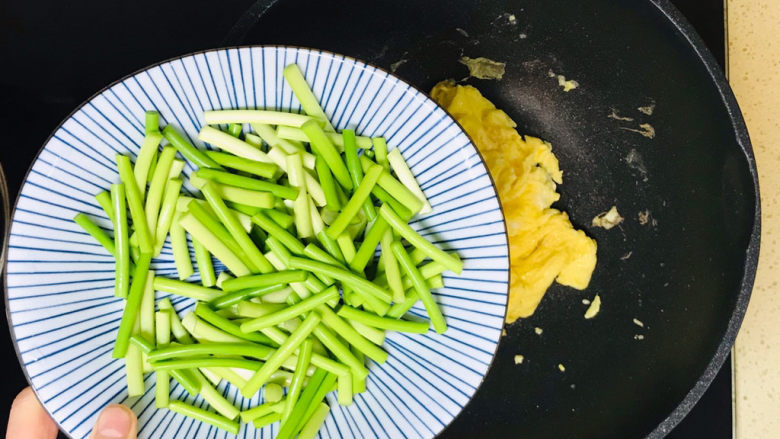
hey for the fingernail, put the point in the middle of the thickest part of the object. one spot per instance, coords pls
(114, 423)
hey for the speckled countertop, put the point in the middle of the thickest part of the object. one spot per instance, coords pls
(754, 65)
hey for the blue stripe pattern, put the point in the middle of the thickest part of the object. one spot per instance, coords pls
(60, 282)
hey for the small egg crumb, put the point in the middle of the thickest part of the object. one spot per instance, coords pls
(608, 219)
(639, 337)
(646, 218)
(645, 129)
(614, 115)
(394, 66)
(503, 332)
(585, 302)
(561, 367)
(538, 331)
(567, 84)
(519, 359)
(594, 308)
(638, 323)
(648, 110)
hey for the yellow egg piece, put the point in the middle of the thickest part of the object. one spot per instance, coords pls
(543, 245)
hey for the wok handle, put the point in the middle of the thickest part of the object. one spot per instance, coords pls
(6, 216)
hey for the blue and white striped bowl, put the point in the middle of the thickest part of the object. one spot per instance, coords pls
(61, 307)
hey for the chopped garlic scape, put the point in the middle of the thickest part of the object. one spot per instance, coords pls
(406, 177)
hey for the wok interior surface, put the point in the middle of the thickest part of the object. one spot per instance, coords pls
(685, 274)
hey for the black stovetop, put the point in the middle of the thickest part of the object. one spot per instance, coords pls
(56, 54)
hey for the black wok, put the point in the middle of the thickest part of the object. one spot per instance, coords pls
(685, 273)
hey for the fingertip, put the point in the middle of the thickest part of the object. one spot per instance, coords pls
(116, 422)
(28, 419)
(24, 396)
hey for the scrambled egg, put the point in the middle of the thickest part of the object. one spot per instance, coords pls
(544, 246)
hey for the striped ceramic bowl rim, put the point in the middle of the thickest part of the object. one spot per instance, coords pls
(59, 283)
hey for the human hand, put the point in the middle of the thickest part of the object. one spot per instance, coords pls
(28, 420)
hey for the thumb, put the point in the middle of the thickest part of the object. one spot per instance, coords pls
(28, 419)
(115, 422)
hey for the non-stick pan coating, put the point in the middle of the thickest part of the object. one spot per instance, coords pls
(685, 274)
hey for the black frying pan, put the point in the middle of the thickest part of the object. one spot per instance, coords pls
(688, 277)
